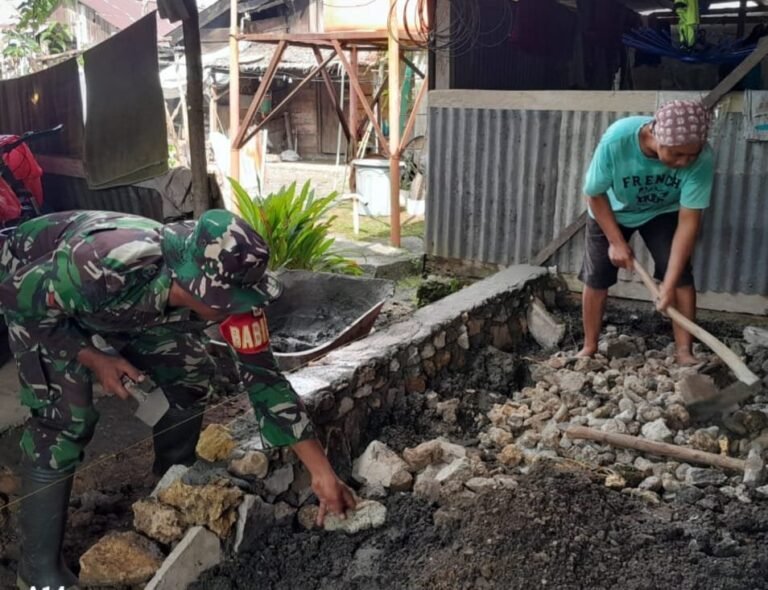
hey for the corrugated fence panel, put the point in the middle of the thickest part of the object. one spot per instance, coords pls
(65, 193)
(504, 182)
(482, 162)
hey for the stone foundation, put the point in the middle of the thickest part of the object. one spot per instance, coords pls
(344, 388)
(343, 391)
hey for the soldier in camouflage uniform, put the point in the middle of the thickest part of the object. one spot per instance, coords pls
(67, 277)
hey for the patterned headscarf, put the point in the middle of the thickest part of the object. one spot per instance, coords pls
(681, 122)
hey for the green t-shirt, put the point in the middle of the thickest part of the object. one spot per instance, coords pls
(641, 188)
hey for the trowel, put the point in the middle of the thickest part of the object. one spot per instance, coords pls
(703, 402)
(152, 401)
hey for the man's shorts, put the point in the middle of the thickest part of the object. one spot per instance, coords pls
(597, 270)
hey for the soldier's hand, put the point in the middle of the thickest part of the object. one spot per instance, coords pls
(109, 370)
(334, 496)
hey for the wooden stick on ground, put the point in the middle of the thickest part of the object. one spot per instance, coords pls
(625, 441)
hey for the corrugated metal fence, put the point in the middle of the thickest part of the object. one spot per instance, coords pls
(505, 178)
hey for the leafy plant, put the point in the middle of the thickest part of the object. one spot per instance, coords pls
(296, 226)
(34, 36)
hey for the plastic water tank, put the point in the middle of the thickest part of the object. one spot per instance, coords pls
(371, 15)
(373, 185)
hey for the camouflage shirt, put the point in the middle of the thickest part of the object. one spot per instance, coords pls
(67, 276)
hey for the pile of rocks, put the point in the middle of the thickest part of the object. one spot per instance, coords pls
(625, 389)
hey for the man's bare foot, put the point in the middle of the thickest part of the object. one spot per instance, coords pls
(586, 352)
(685, 358)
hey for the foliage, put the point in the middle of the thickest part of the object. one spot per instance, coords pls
(296, 226)
(434, 289)
(34, 36)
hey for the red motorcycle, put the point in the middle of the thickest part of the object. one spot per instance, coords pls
(21, 189)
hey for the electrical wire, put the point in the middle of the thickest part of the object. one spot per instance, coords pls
(464, 33)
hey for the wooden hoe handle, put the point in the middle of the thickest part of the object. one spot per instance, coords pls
(730, 358)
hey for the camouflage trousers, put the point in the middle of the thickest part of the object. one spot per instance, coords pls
(60, 394)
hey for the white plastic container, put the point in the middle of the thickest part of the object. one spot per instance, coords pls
(373, 186)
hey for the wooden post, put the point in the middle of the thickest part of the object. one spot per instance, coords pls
(354, 84)
(412, 117)
(196, 116)
(625, 441)
(742, 19)
(234, 92)
(394, 125)
(184, 106)
(353, 123)
(339, 108)
(213, 111)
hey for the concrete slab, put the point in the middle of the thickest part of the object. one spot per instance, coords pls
(198, 551)
(12, 413)
(381, 260)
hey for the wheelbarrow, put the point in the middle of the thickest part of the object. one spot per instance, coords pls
(319, 312)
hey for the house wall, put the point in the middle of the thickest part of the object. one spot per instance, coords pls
(305, 112)
(505, 175)
(84, 23)
(530, 45)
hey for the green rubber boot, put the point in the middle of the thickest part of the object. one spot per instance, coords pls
(42, 520)
(175, 438)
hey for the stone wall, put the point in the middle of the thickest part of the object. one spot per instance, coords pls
(240, 488)
(344, 388)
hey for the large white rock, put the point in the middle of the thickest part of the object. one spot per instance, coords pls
(657, 430)
(197, 552)
(457, 470)
(379, 465)
(545, 329)
(369, 514)
(756, 336)
(431, 452)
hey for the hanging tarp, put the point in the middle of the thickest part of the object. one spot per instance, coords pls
(125, 131)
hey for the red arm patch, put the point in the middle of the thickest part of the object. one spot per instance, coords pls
(247, 333)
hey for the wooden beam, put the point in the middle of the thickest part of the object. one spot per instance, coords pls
(561, 240)
(353, 61)
(393, 52)
(742, 19)
(354, 82)
(413, 66)
(234, 97)
(711, 100)
(332, 92)
(412, 118)
(318, 38)
(279, 108)
(376, 99)
(261, 93)
(196, 114)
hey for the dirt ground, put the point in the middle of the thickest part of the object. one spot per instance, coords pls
(116, 472)
(558, 529)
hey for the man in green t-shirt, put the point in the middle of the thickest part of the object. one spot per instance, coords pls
(652, 175)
